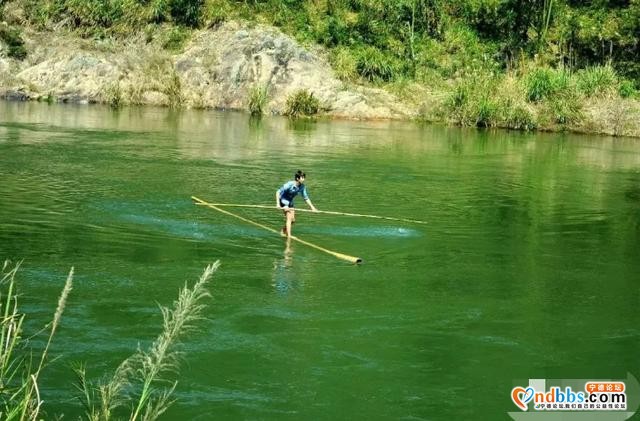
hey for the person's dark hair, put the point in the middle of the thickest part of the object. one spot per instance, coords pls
(298, 175)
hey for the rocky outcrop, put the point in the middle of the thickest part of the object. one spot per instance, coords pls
(216, 68)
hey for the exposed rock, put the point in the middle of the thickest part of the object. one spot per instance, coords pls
(12, 95)
(216, 69)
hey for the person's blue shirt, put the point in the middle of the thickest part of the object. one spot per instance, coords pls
(289, 190)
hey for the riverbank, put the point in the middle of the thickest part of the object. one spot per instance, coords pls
(221, 68)
(213, 68)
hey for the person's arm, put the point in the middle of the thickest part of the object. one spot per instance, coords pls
(305, 196)
(313, 208)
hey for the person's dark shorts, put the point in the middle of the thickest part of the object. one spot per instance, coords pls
(290, 204)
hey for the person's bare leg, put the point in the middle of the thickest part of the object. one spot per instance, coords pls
(283, 231)
(290, 220)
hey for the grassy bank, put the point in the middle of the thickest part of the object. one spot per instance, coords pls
(520, 64)
(595, 99)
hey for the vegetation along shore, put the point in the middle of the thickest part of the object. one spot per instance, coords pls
(520, 64)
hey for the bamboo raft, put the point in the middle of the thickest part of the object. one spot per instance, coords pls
(350, 259)
(389, 218)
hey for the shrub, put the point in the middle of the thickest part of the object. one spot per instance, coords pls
(88, 13)
(344, 64)
(158, 10)
(459, 96)
(112, 95)
(544, 82)
(302, 103)
(597, 80)
(373, 65)
(257, 100)
(521, 118)
(565, 108)
(464, 53)
(333, 32)
(486, 112)
(627, 89)
(13, 39)
(457, 103)
(186, 12)
(472, 103)
(538, 84)
(215, 12)
(176, 39)
(173, 90)
(50, 98)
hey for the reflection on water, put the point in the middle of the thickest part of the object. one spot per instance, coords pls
(283, 279)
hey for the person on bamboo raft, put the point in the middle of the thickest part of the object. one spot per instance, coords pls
(284, 200)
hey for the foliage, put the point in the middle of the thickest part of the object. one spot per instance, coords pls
(140, 382)
(112, 95)
(139, 385)
(13, 40)
(627, 89)
(118, 16)
(491, 101)
(19, 371)
(176, 38)
(302, 103)
(544, 82)
(521, 118)
(186, 12)
(391, 38)
(564, 108)
(557, 54)
(344, 64)
(257, 100)
(215, 12)
(597, 80)
(460, 52)
(373, 65)
(471, 102)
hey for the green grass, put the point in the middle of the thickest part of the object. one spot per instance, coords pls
(473, 102)
(598, 80)
(176, 38)
(627, 89)
(257, 100)
(302, 103)
(564, 109)
(375, 66)
(344, 64)
(542, 83)
(497, 101)
(521, 118)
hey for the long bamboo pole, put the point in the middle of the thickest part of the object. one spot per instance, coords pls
(346, 257)
(236, 205)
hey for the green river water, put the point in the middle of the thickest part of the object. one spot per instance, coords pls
(529, 266)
